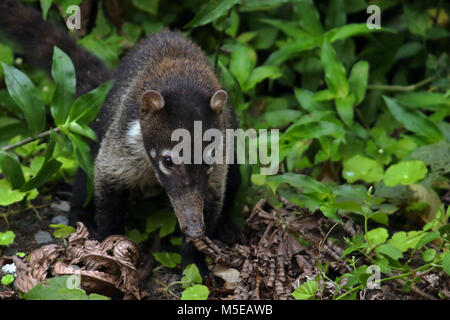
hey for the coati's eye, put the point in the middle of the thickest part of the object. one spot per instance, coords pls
(168, 162)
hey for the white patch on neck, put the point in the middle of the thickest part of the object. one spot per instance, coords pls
(134, 135)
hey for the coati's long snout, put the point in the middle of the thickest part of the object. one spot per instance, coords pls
(188, 209)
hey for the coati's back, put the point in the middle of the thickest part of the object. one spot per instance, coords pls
(164, 61)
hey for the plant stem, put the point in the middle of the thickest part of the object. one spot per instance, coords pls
(394, 88)
(28, 140)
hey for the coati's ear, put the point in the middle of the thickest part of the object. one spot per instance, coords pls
(218, 100)
(151, 100)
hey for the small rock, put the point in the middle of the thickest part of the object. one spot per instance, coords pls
(42, 237)
(60, 220)
(60, 206)
(229, 275)
(9, 268)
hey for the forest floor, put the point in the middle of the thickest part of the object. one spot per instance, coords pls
(279, 249)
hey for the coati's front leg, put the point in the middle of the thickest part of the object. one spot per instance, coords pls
(110, 203)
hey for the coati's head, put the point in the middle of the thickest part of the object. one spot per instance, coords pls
(161, 113)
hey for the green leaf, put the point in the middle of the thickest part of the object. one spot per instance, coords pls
(359, 77)
(414, 121)
(306, 291)
(376, 236)
(446, 263)
(211, 11)
(150, 6)
(169, 260)
(390, 251)
(86, 108)
(306, 183)
(423, 99)
(428, 255)
(292, 49)
(45, 5)
(308, 16)
(406, 240)
(240, 64)
(334, 71)
(63, 73)
(261, 73)
(231, 85)
(344, 107)
(196, 292)
(12, 169)
(8, 195)
(299, 130)
(62, 231)
(430, 236)
(405, 173)
(359, 167)
(165, 221)
(57, 288)
(7, 238)
(7, 279)
(350, 30)
(27, 97)
(191, 276)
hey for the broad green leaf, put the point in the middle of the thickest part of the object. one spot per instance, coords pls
(196, 292)
(86, 108)
(7, 238)
(8, 195)
(231, 85)
(306, 291)
(428, 255)
(82, 130)
(306, 183)
(7, 279)
(63, 73)
(390, 251)
(62, 231)
(308, 16)
(150, 6)
(406, 240)
(334, 71)
(289, 28)
(307, 101)
(277, 118)
(292, 49)
(313, 130)
(405, 172)
(261, 73)
(423, 99)
(191, 276)
(344, 107)
(45, 5)
(240, 64)
(165, 221)
(27, 97)
(57, 288)
(359, 167)
(12, 169)
(429, 237)
(47, 170)
(169, 260)
(350, 30)
(416, 19)
(376, 236)
(211, 11)
(6, 56)
(414, 121)
(359, 77)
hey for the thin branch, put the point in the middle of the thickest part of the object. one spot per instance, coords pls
(411, 87)
(28, 140)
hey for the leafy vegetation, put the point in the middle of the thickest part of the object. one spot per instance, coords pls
(362, 112)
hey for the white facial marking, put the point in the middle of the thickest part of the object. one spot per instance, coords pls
(153, 153)
(166, 153)
(163, 168)
(134, 132)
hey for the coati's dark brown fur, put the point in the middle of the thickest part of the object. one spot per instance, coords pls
(166, 82)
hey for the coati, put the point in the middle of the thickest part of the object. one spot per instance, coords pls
(166, 82)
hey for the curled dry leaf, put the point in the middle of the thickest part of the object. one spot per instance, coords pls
(106, 268)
